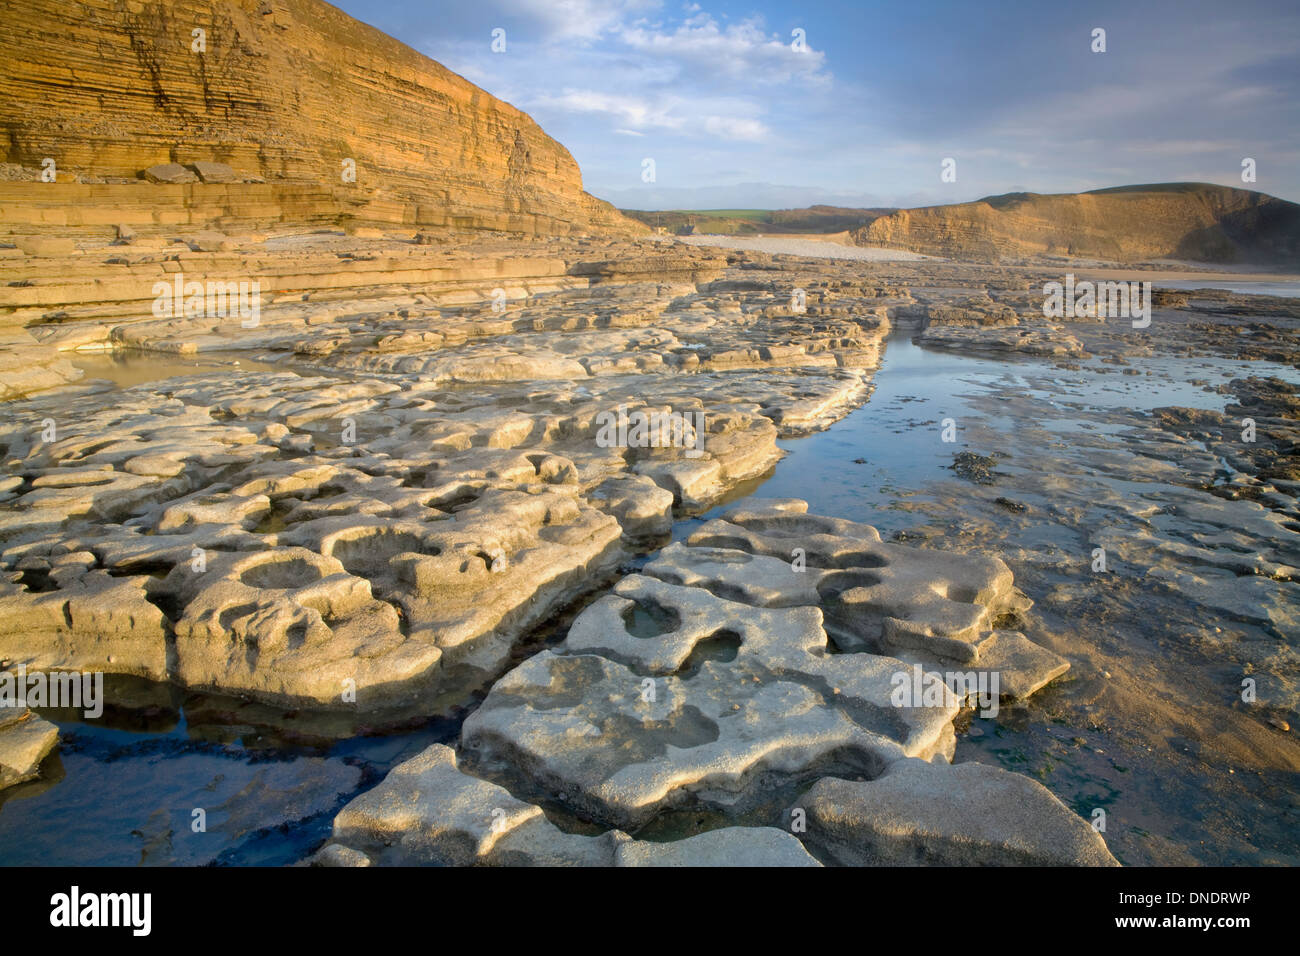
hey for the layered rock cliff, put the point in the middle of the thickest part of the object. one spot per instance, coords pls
(1194, 221)
(284, 90)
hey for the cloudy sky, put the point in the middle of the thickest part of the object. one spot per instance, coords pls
(734, 116)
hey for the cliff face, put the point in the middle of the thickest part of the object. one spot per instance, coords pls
(1193, 221)
(285, 90)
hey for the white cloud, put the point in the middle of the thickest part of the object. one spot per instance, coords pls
(743, 50)
(745, 195)
(720, 118)
(686, 80)
(577, 19)
(616, 80)
(632, 111)
(734, 127)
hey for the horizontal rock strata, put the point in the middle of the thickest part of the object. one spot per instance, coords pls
(1187, 221)
(286, 91)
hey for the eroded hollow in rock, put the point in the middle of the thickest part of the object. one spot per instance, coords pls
(232, 614)
(37, 582)
(647, 618)
(154, 569)
(646, 739)
(855, 559)
(724, 542)
(281, 575)
(832, 586)
(368, 555)
(851, 625)
(457, 501)
(721, 646)
(273, 521)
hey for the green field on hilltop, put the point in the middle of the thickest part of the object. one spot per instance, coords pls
(821, 219)
(753, 215)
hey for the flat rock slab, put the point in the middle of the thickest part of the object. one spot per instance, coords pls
(708, 682)
(86, 620)
(731, 846)
(877, 597)
(935, 607)
(968, 814)
(665, 695)
(586, 727)
(25, 740)
(215, 172)
(1043, 341)
(170, 173)
(1023, 667)
(429, 811)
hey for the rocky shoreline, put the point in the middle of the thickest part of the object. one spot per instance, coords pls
(374, 530)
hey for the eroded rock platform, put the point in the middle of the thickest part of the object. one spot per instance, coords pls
(710, 683)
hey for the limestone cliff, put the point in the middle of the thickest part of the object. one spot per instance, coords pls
(1195, 221)
(286, 90)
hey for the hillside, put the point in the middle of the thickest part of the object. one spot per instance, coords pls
(813, 219)
(1191, 221)
(285, 91)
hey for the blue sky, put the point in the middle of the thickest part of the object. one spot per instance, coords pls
(734, 117)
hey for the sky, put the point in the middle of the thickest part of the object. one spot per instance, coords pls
(734, 116)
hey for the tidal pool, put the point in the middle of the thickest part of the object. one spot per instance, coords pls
(125, 369)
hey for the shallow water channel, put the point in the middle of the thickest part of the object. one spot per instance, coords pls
(123, 790)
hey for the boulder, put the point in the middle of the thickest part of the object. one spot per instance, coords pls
(209, 172)
(170, 173)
